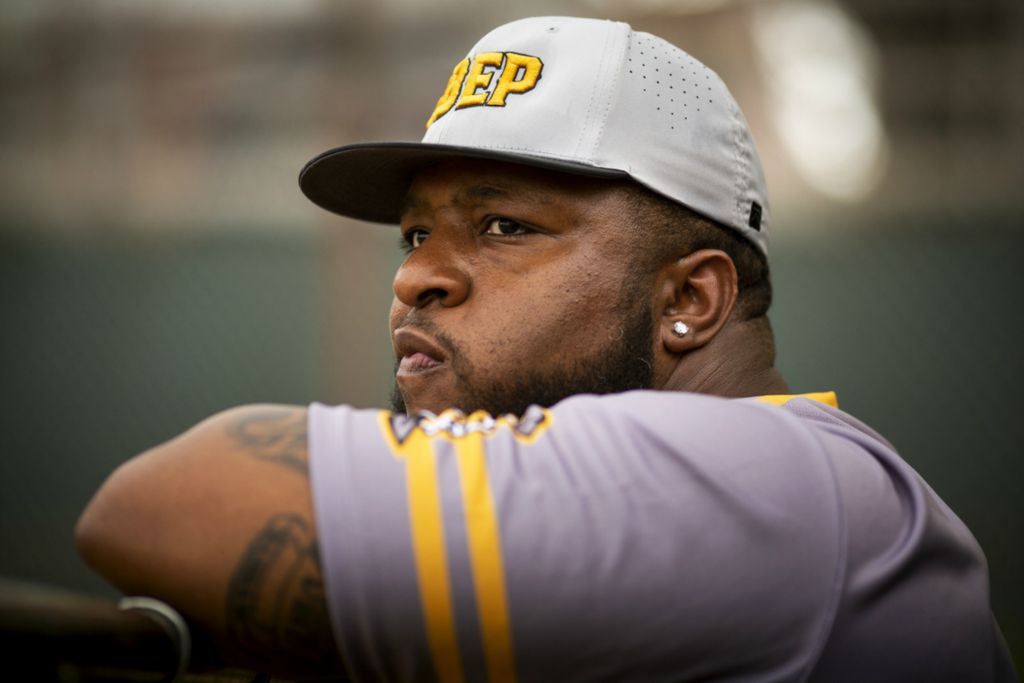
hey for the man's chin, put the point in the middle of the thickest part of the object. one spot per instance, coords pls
(411, 405)
(436, 390)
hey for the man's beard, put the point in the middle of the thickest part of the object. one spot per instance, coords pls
(623, 364)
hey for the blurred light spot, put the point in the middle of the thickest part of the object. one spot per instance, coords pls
(820, 73)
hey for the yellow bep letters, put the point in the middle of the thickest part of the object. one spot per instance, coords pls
(472, 82)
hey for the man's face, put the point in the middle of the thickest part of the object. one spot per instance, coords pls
(519, 288)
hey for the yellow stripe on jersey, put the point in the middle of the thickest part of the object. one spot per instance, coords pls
(826, 397)
(468, 435)
(485, 558)
(427, 528)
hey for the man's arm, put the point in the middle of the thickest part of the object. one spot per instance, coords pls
(219, 524)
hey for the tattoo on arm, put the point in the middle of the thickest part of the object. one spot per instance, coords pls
(276, 610)
(276, 435)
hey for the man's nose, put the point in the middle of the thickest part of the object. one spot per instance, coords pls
(431, 273)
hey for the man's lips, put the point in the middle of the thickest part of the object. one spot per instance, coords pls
(416, 352)
(417, 362)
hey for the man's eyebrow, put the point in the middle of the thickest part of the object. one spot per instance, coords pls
(483, 191)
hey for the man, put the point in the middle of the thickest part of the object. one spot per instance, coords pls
(585, 217)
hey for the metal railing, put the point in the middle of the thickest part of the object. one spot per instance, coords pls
(54, 635)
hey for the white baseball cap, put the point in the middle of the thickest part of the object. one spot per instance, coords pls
(583, 96)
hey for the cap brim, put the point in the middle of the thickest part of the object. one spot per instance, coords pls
(369, 181)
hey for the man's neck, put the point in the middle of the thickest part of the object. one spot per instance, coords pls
(738, 362)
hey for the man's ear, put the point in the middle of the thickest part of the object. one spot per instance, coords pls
(698, 291)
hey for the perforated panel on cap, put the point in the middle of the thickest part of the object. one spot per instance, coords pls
(683, 136)
(676, 83)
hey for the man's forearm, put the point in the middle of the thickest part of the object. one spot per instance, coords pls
(218, 523)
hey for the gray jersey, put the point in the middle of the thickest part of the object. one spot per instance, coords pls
(648, 536)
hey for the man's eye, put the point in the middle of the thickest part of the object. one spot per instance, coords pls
(504, 226)
(414, 238)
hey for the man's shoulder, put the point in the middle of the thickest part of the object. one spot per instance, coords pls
(806, 421)
(706, 421)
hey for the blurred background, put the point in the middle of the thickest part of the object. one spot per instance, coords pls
(158, 263)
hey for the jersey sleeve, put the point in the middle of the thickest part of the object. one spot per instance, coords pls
(642, 536)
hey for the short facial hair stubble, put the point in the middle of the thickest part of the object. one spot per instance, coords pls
(623, 364)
